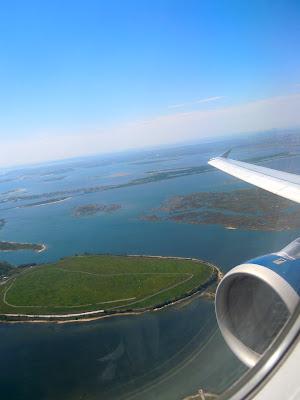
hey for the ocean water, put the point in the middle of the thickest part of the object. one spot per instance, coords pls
(154, 355)
(167, 354)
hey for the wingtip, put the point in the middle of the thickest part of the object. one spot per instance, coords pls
(226, 154)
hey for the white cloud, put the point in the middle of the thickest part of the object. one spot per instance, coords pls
(276, 112)
(209, 99)
(191, 103)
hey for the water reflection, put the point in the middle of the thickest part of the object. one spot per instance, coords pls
(163, 355)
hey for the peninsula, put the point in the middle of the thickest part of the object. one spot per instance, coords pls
(13, 246)
(93, 286)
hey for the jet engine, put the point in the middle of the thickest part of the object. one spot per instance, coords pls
(254, 300)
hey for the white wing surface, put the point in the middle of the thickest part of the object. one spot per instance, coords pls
(281, 183)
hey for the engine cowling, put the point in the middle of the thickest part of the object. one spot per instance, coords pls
(254, 300)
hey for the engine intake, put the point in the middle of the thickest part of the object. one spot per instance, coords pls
(254, 300)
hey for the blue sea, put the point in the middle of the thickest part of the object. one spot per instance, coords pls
(168, 354)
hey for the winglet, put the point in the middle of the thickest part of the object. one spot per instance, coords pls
(226, 154)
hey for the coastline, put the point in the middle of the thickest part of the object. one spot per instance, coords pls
(44, 247)
(46, 203)
(89, 316)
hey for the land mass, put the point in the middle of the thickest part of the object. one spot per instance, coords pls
(90, 286)
(54, 178)
(45, 202)
(154, 161)
(247, 209)
(13, 246)
(92, 209)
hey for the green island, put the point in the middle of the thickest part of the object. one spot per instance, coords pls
(89, 286)
(13, 246)
(245, 209)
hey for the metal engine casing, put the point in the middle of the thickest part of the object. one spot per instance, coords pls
(255, 299)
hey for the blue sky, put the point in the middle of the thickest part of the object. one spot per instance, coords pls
(88, 68)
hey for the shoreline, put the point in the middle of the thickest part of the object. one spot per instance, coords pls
(47, 203)
(44, 247)
(89, 316)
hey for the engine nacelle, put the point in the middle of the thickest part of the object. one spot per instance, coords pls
(254, 300)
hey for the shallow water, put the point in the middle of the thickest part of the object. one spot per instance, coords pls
(156, 354)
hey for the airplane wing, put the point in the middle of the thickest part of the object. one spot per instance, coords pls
(281, 183)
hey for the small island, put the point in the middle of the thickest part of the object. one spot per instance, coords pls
(94, 286)
(13, 246)
(92, 209)
(151, 218)
(54, 178)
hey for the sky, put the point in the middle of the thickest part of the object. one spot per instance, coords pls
(88, 77)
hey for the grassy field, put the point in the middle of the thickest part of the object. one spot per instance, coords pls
(88, 283)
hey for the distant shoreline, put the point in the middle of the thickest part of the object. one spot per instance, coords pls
(45, 203)
(100, 314)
